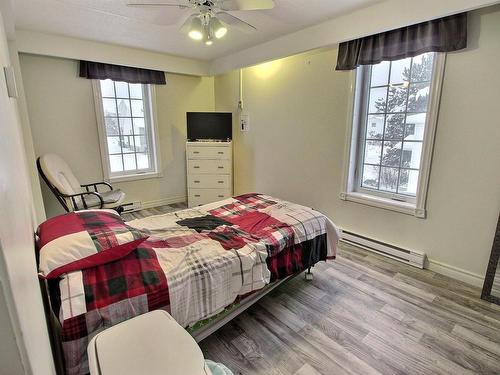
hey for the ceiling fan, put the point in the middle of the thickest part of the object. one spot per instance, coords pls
(209, 19)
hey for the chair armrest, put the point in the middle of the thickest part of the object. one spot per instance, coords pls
(82, 196)
(95, 185)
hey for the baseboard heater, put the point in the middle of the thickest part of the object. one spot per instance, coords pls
(412, 257)
(132, 206)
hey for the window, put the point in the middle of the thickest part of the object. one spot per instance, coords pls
(392, 130)
(126, 129)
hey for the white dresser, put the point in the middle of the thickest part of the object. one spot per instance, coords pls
(209, 172)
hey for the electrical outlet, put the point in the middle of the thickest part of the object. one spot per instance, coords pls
(244, 122)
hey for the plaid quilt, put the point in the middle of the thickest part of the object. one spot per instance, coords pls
(196, 262)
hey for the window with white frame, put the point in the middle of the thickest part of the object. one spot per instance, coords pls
(394, 117)
(127, 129)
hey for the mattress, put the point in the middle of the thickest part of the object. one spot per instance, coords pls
(195, 263)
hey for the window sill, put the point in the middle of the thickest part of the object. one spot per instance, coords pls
(134, 177)
(384, 203)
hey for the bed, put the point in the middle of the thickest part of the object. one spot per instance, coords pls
(202, 265)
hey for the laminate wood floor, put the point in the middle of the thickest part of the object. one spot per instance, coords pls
(363, 314)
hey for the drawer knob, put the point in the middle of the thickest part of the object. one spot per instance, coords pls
(220, 196)
(220, 182)
(196, 167)
(220, 167)
(197, 195)
(196, 182)
(196, 152)
(221, 152)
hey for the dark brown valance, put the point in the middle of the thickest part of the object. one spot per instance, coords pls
(441, 35)
(95, 70)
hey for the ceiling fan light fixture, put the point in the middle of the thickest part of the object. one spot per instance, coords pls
(218, 29)
(209, 40)
(196, 29)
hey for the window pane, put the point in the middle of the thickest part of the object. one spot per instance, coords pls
(121, 89)
(115, 163)
(378, 98)
(419, 96)
(391, 155)
(114, 145)
(109, 107)
(107, 88)
(111, 125)
(141, 144)
(375, 126)
(389, 179)
(394, 127)
(127, 143)
(408, 182)
(142, 161)
(135, 90)
(370, 176)
(137, 108)
(380, 74)
(422, 67)
(412, 153)
(415, 126)
(139, 126)
(373, 149)
(129, 162)
(123, 108)
(397, 99)
(400, 71)
(126, 125)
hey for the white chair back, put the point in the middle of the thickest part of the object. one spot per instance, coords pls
(59, 174)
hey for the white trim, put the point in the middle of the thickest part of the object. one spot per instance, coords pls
(150, 116)
(384, 203)
(135, 177)
(348, 189)
(455, 273)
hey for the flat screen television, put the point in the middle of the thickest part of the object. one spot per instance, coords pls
(209, 125)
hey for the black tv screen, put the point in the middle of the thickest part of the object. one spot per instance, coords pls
(209, 125)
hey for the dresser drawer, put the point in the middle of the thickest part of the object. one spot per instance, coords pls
(199, 197)
(208, 152)
(211, 181)
(209, 166)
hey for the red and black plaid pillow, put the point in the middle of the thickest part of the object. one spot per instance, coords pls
(84, 239)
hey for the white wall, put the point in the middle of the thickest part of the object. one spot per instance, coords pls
(39, 209)
(63, 120)
(18, 277)
(294, 150)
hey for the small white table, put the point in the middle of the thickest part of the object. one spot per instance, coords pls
(151, 343)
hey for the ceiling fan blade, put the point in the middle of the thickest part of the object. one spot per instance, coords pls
(157, 5)
(247, 4)
(236, 22)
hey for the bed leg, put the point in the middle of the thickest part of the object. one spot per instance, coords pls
(309, 275)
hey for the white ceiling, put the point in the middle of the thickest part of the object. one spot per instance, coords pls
(157, 28)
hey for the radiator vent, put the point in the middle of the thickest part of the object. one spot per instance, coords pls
(412, 257)
(132, 206)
